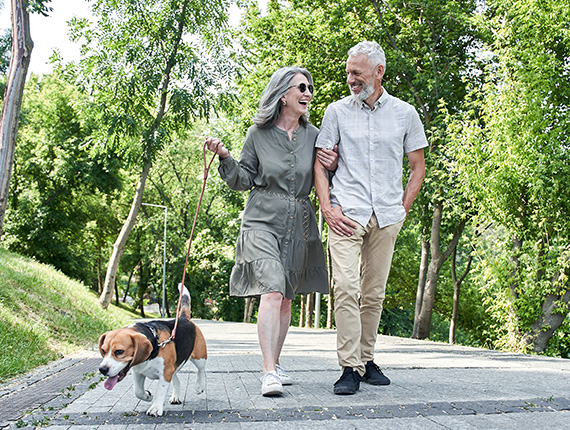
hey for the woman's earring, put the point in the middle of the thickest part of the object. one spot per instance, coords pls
(284, 102)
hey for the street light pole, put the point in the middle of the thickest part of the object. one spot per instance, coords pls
(163, 308)
(318, 295)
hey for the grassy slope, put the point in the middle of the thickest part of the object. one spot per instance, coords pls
(44, 315)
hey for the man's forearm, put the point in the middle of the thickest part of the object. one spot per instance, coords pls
(417, 174)
(322, 185)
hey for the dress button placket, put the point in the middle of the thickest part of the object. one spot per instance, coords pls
(291, 208)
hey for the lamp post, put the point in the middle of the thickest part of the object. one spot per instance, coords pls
(163, 307)
(318, 295)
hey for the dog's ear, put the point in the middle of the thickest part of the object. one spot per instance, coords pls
(143, 348)
(101, 340)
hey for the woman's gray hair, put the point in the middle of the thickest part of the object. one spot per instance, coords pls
(372, 50)
(269, 107)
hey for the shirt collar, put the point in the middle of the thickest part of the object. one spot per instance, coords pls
(382, 99)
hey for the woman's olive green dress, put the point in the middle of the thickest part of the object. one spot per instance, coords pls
(278, 247)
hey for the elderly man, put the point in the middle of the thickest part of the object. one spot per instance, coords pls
(366, 205)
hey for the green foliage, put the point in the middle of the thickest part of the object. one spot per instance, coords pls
(313, 35)
(47, 315)
(518, 143)
(402, 282)
(151, 68)
(5, 50)
(513, 158)
(210, 266)
(39, 6)
(62, 190)
(499, 155)
(176, 182)
(397, 322)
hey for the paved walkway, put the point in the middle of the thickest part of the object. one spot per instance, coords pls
(434, 386)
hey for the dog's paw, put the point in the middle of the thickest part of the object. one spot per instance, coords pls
(174, 400)
(200, 383)
(145, 396)
(155, 411)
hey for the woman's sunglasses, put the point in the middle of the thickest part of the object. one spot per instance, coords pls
(303, 87)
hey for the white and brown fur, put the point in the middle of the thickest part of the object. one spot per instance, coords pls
(137, 347)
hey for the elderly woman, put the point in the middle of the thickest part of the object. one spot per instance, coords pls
(278, 252)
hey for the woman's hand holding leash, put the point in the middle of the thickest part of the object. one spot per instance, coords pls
(217, 147)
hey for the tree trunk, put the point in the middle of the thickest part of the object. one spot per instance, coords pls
(248, 309)
(456, 289)
(309, 310)
(424, 263)
(423, 322)
(121, 241)
(330, 303)
(129, 281)
(22, 46)
(512, 317)
(99, 271)
(422, 325)
(302, 312)
(116, 295)
(555, 309)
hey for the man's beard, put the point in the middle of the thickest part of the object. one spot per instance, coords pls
(366, 92)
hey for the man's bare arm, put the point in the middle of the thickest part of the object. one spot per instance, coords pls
(417, 174)
(334, 217)
(328, 157)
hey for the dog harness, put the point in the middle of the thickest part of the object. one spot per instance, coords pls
(152, 335)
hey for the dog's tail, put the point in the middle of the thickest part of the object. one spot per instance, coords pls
(185, 302)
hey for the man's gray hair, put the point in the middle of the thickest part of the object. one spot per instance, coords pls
(269, 107)
(372, 50)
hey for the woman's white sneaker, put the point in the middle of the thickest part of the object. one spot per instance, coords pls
(283, 375)
(271, 384)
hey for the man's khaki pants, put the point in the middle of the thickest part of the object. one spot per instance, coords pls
(360, 268)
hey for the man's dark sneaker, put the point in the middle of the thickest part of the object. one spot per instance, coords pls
(348, 383)
(374, 375)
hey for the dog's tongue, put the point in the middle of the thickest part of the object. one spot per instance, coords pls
(111, 382)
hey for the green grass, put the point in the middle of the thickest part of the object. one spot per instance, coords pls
(45, 316)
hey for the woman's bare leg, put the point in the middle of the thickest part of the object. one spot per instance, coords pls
(269, 328)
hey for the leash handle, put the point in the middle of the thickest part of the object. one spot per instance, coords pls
(206, 170)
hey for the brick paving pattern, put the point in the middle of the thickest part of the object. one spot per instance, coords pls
(434, 386)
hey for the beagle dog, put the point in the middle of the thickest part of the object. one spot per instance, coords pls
(145, 348)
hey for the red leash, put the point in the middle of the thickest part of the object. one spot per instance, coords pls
(206, 170)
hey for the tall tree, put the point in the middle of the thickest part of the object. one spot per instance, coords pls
(144, 68)
(22, 46)
(514, 159)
